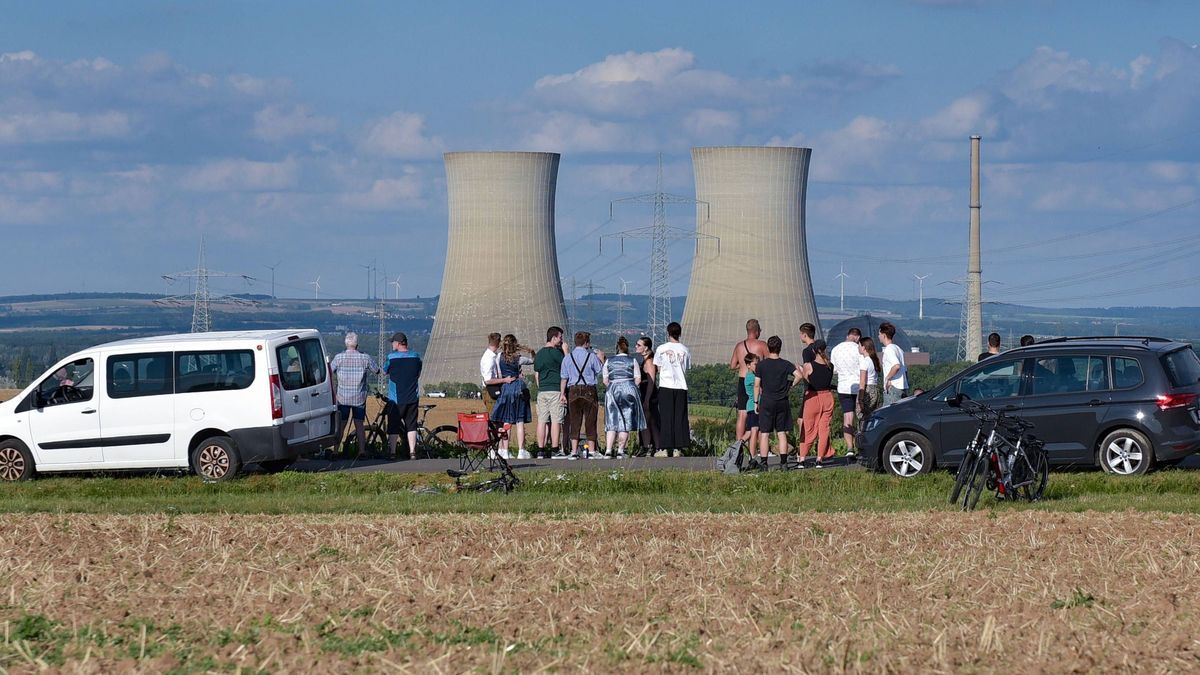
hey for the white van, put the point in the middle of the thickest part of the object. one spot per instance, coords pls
(209, 402)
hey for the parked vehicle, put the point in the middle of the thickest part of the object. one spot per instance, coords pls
(209, 402)
(1121, 403)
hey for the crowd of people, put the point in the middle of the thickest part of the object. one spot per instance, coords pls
(646, 393)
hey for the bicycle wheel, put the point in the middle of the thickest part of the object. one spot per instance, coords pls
(1035, 470)
(438, 443)
(963, 475)
(978, 481)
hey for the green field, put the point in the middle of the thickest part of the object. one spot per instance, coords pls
(572, 492)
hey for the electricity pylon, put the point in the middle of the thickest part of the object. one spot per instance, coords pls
(201, 297)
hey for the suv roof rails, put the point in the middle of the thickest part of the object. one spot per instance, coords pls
(1144, 339)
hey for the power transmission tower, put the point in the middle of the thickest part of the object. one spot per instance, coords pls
(659, 234)
(201, 297)
(842, 276)
(382, 350)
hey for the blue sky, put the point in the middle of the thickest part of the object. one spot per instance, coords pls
(312, 133)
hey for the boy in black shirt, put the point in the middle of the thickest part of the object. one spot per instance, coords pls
(775, 377)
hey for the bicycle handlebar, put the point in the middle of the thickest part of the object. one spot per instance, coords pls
(984, 413)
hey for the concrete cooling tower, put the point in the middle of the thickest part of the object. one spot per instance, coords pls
(501, 270)
(755, 205)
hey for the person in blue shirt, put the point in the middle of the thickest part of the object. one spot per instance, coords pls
(404, 373)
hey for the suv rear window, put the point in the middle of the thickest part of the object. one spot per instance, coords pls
(1127, 373)
(1183, 367)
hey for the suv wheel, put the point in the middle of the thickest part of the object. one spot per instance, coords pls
(907, 454)
(15, 461)
(1125, 452)
(216, 459)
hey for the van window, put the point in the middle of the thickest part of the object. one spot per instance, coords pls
(1183, 367)
(131, 375)
(222, 370)
(301, 364)
(1097, 379)
(69, 384)
(995, 380)
(1060, 375)
(1127, 373)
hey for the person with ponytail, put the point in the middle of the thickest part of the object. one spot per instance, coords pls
(869, 369)
(512, 407)
(622, 400)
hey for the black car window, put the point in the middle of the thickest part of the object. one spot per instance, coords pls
(1060, 375)
(1127, 373)
(70, 383)
(995, 380)
(301, 364)
(1183, 367)
(1097, 379)
(214, 371)
(133, 375)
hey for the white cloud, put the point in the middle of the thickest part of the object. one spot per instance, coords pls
(241, 175)
(569, 132)
(51, 126)
(401, 135)
(31, 181)
(708, 125)
(257, 86)
(387, 194)
(281, 122)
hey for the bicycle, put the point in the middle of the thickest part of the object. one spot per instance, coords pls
(431, 443)
(478, 443)
(1003, 457)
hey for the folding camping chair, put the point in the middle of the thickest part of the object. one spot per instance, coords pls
(479, 441)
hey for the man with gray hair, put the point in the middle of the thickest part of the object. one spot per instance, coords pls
(351, 369)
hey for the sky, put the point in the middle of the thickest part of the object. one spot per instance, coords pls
(309, 136)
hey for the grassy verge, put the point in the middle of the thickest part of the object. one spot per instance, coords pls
(581, 492)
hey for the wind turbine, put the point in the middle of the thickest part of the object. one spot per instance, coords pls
(842, 276)
(621, 307)
(395, 283)
(316, 288)
(921, 294)
(272, 268)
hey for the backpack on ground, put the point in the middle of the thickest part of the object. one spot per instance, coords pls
(730, 461)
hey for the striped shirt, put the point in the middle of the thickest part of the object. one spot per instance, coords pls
(352, 368)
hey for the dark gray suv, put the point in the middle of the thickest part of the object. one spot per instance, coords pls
(1123, 403)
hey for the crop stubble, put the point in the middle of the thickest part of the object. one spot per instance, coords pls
(942, 592)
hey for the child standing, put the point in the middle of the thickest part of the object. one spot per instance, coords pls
(750, 437)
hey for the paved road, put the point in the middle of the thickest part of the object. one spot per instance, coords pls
(440, 465)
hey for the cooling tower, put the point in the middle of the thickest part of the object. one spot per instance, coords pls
(501, 270)
(759, 269)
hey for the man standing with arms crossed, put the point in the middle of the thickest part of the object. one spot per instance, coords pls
(551, 404)
(404, 374)
(895, 373)
(846, 361)
(751, 345)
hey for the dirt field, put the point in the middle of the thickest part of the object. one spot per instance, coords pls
(939, 592)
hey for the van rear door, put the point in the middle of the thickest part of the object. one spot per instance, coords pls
(307, 391)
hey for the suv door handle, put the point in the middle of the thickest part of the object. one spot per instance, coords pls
(1095, 401)
(317, 393)
(1009, 408)
(88, 411)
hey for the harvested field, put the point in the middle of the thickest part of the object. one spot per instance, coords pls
(941, 592)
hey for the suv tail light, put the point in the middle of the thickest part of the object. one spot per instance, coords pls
(276, 398)
(1182, 400)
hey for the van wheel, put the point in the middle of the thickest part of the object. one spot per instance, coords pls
(908, 454)
(276, 465)
(16, 463)
(1125, 452)
(216, 459)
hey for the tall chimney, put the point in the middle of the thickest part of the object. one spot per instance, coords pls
(974, 266)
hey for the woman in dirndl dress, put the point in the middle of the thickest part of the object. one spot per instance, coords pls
(512, 407)
(622, 401)
(648, 437)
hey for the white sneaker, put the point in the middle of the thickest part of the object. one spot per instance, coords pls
(601, 455)
(504, 453)
(524, 454)
(620, 454)
(660, 453)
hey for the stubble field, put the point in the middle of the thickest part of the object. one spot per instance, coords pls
(864, 592)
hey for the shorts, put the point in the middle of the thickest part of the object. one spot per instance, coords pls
(775, 421)
(751, 419)
(849, 402)
(742, 397)
(550, 408)
(401, 418)
(352, 412)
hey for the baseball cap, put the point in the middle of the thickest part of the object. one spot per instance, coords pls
(400, 337)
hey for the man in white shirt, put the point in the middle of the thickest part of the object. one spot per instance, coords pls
(895, 373)
(489, 372)
(673, 360)
(846, 361)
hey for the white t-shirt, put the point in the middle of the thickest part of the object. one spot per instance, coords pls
(866, 364)
(489, 367)
(892, 356)
(672, 360)
(845, 361)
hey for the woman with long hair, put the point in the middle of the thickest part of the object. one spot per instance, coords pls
(648, 437)
(868, 380)
(818, 405)
(622, 402)
(512, 407)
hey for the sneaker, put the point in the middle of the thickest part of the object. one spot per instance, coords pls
(660, 453)
(504, 453)
(559, 455)
(820, 465)
(572, 457)
(851, 455)
(620, 454)
(524, 454)
(601, 455)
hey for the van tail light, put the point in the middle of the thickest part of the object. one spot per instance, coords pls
(276, 398)
(1183, 400)
(332, 389)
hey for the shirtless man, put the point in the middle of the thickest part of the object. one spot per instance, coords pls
(751, 345)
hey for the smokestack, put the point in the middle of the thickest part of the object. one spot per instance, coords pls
(974, 265)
